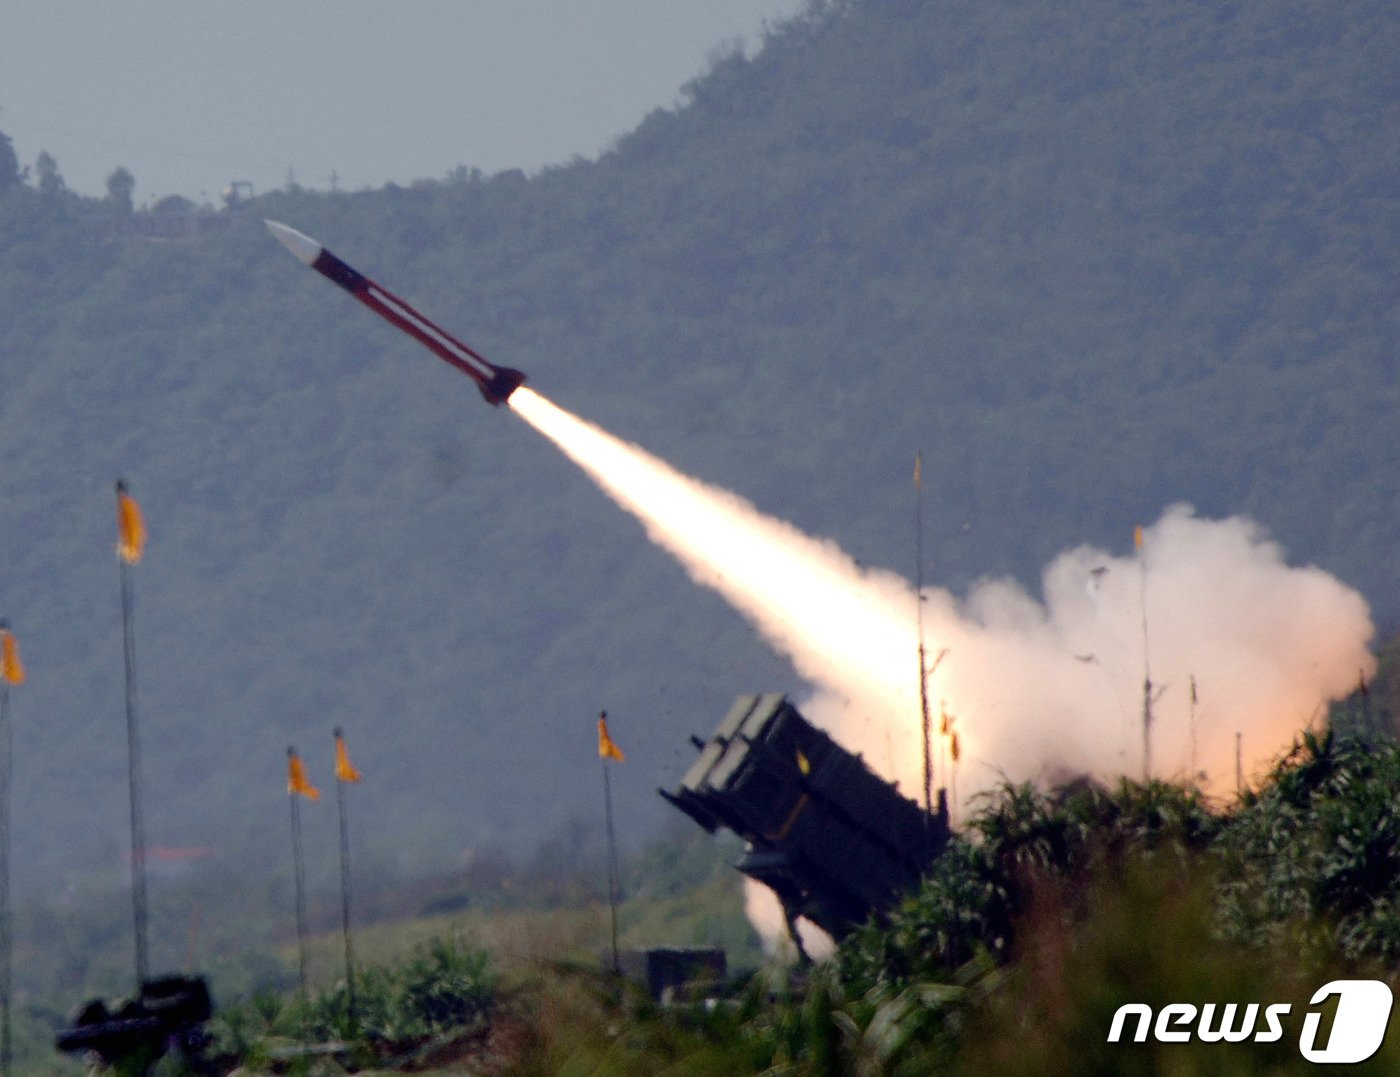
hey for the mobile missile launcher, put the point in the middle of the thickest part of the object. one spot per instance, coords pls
(167, 1012)
(833, 840)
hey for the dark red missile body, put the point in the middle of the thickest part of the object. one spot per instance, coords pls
(495, 382)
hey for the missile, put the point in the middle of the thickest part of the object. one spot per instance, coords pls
(495, 382)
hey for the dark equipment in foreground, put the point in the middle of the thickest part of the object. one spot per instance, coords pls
(673, 973)
(495, 382)
(833, 840)
(169, 1012)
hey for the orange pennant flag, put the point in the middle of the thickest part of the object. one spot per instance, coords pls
(344, 770)
(953, 748)
(11, 669)
(1137, 536)
(607, 747)
(131, 528)
(297, 784)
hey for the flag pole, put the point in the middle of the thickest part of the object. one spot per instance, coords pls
(1146, 667)
(299, 871)
(925, 719)
(1195, 774)
(612, 842)
(130, 552)
(341, 780)
(7, 676)
(612, 866)
(6, 770)
(953, 771)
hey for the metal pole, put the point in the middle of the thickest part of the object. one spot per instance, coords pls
(133, 754)
(612, 865)
(1195, 774)
(6, 937)
(345, 897)
(943, 763)
(925, 720)
(952, 784)
(925, 724)
(299, 870)
(1146, 682)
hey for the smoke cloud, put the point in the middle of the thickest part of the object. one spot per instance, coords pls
(1233, 639)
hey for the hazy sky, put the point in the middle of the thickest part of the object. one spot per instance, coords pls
(190, 94)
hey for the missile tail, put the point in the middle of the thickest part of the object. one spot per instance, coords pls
(498, 387)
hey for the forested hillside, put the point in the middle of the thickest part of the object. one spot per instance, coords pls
(1091, 257)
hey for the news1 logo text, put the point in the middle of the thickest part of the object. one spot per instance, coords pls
(1357, 1031)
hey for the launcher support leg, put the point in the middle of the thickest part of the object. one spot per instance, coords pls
(790, 918)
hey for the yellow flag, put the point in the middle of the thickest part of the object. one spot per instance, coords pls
(803, 763)
(607, 747)
(918, 471)
(344, 770)
(1137, 536)
(131, 528)
(296, 778)
(11, 669)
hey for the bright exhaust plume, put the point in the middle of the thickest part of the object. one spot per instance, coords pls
(1038, 688)
(1237, 642)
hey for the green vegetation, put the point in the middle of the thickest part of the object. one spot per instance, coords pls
(678, 889)
(1315, 845)
(1054, 909)
(444, 993)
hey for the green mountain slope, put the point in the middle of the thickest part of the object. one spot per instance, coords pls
(1091, 257)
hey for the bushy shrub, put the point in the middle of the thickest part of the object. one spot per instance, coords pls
(446, 988)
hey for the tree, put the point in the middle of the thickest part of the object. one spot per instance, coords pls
(120, 185)
(50, 182)
(9, 164)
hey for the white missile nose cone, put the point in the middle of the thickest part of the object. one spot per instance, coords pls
(303, 246)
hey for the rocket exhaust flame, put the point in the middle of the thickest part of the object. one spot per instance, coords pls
(813, 602)
(1041, 688)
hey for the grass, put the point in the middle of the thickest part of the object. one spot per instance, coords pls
(522, 940)
(490, 990)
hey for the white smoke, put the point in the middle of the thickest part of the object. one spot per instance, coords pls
(1033, 687)
(765, 912)
(1058, 683)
